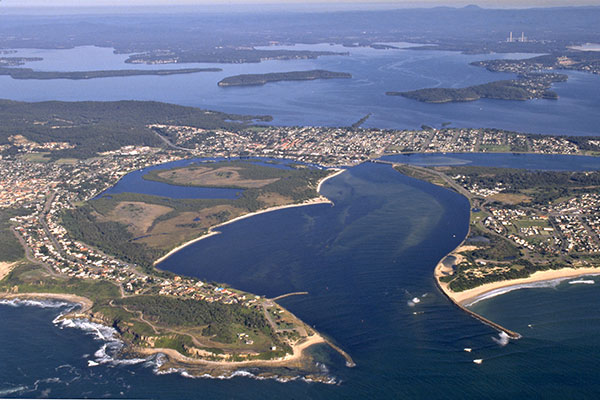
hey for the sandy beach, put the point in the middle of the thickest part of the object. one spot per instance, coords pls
(212, 231)
(5, 269)
(467, 297)
(86, 304)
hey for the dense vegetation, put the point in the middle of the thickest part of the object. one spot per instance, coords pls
(111, 237)
(33, 278)
(28, 73)
(519, 269)
(104, 126)
(261, 79)
(10, 248)
(220, 320)
(494, 247)
(294, 184)
(541, 186)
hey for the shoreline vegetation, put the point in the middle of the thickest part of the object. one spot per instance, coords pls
(296, 359)
(202, 328)
(466, 298)
(212, 232)
(517, 233)
(262, 79)
(28, 73)
(526, 87)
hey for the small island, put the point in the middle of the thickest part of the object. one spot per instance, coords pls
(28, 73)
(528, 86)
(261, 79)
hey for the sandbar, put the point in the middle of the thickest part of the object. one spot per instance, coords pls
(212, 232)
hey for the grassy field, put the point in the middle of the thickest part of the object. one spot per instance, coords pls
(141, 228)
(205, 176)
(158, 321)
(511, 198)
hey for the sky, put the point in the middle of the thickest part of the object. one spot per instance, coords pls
(295, 3)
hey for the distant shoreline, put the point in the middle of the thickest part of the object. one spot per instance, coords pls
(211, 231)
(263, 79)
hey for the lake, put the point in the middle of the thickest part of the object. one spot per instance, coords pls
(338, 102)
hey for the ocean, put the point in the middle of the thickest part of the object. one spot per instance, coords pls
(363, 261)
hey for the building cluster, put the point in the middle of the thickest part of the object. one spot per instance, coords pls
(45, 190)
(346, 146)
(571, 226)
(25, 145)
(578, 220)
(476, 189)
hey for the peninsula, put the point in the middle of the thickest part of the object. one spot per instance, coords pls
(262, 79)
(28, 73)
(525, 226)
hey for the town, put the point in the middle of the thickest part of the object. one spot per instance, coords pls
(43, 189)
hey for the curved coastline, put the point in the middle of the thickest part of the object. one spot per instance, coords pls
(290, 360)
(468, 297)
(211, 231)
(85, 303)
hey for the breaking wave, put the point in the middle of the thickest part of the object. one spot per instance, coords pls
(37, 303)
(157, 361)
(13, 390)
(112, 348)
(583, 281)
(502, 339)
(533, 285)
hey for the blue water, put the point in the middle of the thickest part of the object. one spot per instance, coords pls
(134, 182)
(362, 262)
(328, 102)
(551, 162)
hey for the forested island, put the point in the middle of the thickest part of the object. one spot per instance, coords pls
(261, 79)
(28, 73)
(526, 87)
